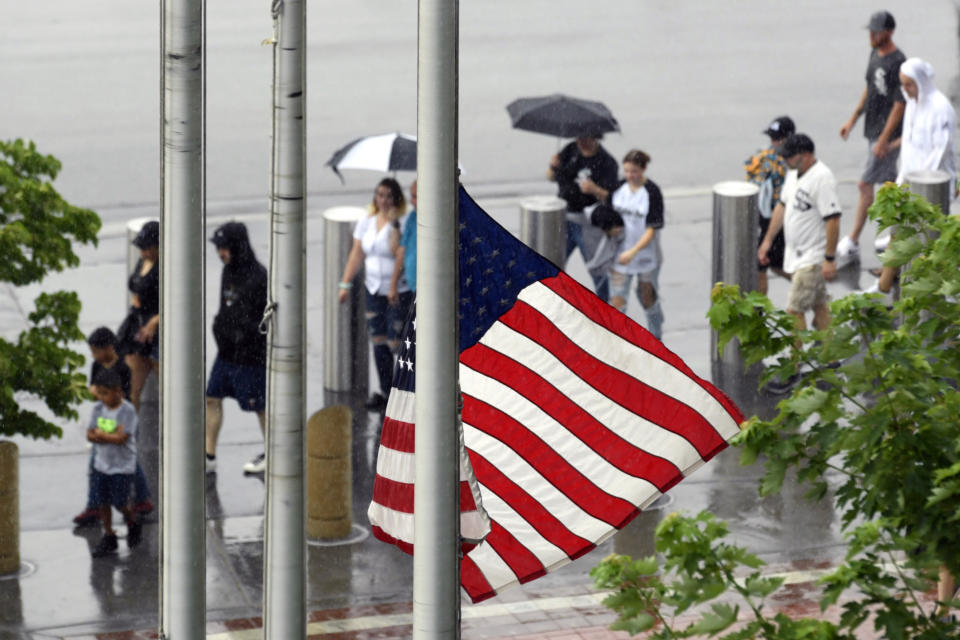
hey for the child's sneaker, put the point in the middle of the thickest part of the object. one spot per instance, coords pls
(848, 252)
(87, 518)
(106, 547)
(134, 533)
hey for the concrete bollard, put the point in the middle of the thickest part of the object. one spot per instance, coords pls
(735, 230)
(9, 508)
(935, 186)
(346, 358)
(133, 253)
(329, 473)
(543, 227)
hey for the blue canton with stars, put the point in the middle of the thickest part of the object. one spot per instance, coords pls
(494, 268)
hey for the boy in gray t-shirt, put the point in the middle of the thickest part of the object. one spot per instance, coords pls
(113, 431)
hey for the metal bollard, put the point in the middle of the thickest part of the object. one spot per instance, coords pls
(543, 227)
(133, 253)
(346, 359)
(735, 231)
(329, 473)
(638, 538)
(933, 185)
(9, 508)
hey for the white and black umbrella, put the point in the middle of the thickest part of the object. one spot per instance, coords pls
(387, 152)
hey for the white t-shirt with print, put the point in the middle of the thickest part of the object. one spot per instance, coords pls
(633, 207)
(378, 260)
(808, 200)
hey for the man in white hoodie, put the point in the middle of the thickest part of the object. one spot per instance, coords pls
(928, 123)
(927, 139)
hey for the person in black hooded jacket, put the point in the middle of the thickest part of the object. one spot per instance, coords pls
(240, 369)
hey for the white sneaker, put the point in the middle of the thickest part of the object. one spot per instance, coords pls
(257, 465)
(882, 242)
(211, 465)
(848, 252)
(887, 295)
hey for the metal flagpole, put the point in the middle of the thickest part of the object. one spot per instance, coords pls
(284, 591)
(436, 594)
(183, 541)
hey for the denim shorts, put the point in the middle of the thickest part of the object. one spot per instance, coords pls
(384, 319)
(110, 489)
(246, 383)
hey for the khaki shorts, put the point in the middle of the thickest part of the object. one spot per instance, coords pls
(808, 289)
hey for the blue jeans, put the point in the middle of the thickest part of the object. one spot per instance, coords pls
(620, 283)
(601, 283)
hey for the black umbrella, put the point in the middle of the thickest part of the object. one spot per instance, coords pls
(561, 116)
(386, 152)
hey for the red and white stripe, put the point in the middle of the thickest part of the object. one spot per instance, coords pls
(575, 419)
(391, 510)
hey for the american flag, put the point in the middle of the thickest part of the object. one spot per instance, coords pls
(574, 418)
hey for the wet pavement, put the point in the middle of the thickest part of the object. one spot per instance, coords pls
(364, 589)
(712, 77)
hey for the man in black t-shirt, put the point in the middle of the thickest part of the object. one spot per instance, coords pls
(585, 174)
(882, 106)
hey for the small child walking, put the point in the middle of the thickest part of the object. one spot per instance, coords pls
(103, 350)
(113, 432)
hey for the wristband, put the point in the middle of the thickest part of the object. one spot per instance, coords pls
(345, 285)
(829, 258)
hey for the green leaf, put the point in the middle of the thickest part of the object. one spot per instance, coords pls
(646, 566)
(633, 626)
(806, 401)
(762, 587)
(722, 616)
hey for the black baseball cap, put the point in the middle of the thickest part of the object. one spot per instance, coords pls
(149, 235)
(882, 21)
(780, 128)
(797, 143)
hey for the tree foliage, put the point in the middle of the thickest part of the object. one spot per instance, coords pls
(38, 229)
(878, 410)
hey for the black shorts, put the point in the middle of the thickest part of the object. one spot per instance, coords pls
(246, 383)
(110, 489)
(127, 342)
(776, 249)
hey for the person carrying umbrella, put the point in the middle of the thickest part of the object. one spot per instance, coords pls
(585, 174)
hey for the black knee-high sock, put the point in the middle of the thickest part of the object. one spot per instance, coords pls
(384, 361)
